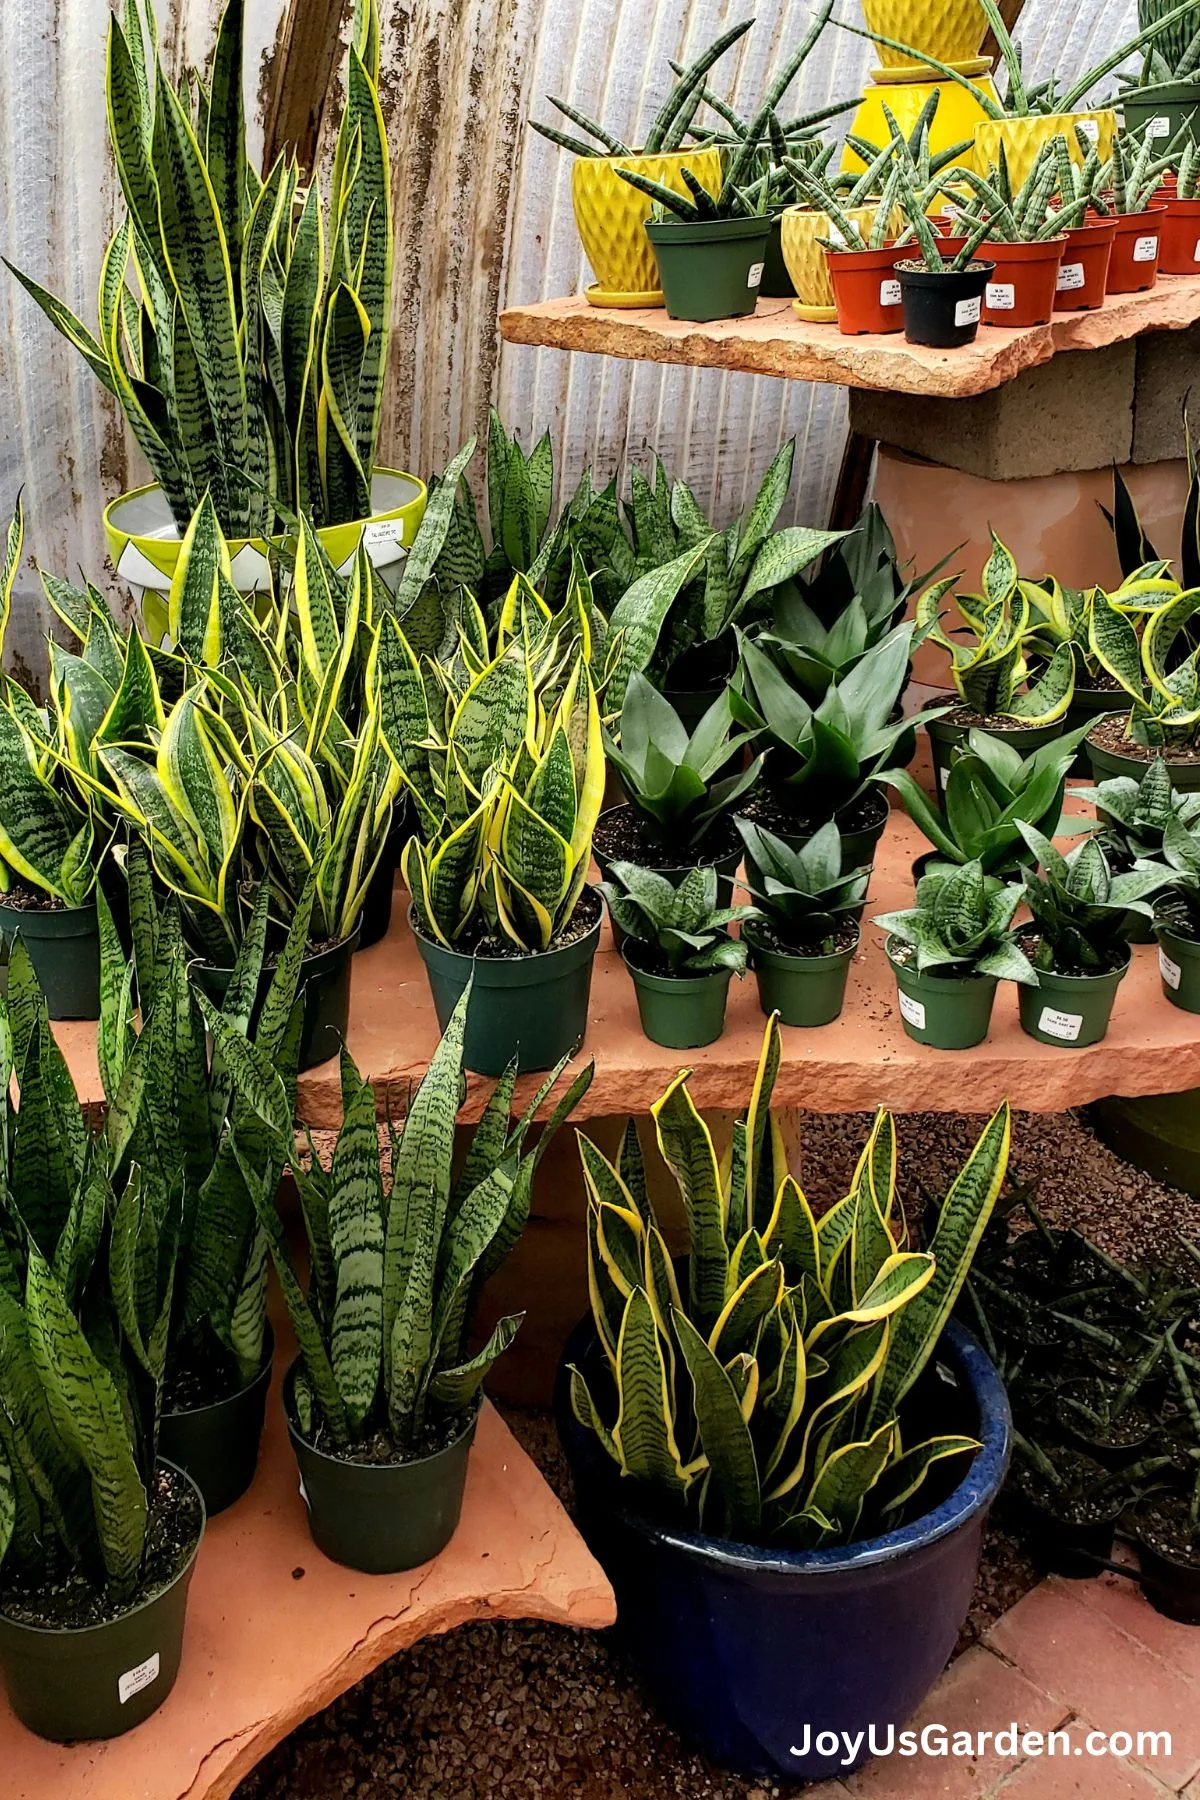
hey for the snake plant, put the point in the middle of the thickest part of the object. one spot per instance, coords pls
(1175, 54)
(1023, 217)
(1135, 174)
(1134, 815)
(683, 927)
(1139, 636)
(671, 775)
(805, 896)
(1080, 908)
(397, 1260)
(760, 1394)
(250, 357)
(962, 925)
(1135, 552)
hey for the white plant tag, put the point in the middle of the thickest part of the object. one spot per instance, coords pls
(1090, 128)
(889, 293)
(1170, 971)
(1196, 252)
(1066, 1026)
(384, 534)
(968, 312)
(1160, 127)
(1069, 276)
(304, 1494)
(1001, 296)
(943, 776)
(754, 279)
(134, 1680)
(1145, 249)
(913, 1011)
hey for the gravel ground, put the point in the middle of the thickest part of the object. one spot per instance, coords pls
(537, 1712)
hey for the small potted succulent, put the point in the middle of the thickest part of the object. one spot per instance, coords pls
(1139, 213)
(384, 1395)
(1133, 815)
(1179, 238)
(1138, 635)
(1177, 910)
(1166, 1534)
(1089, 224)
(1063, 615)
(1165, 99)
(857, 232)
(678, 950)
(1078, 939)
(1070, 1503)
(941, 288)
(711, 247)
(1025, 239)
(802, 944)
(949, 952)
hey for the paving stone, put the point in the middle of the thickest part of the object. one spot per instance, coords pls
(1082, 1778)
(1122, 1602)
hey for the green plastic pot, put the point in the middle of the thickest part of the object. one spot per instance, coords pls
(681, 1012)
(381, 1518)
(217, 1445)
(949, 1012)
(325, 979)
(710, 268)
(803, 990)
(1185, 776)
(64, 948)
(532, 1007)
(1179, 968)
(1070, 1011)
(1157, 1133)
(944, 737)
(777, 284)
(101, 1680)
(1162, 111)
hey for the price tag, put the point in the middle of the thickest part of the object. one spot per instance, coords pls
(134, 1680)
(1160, 127)
(754, 278)
(1001, 296)
(1069, 276)
(1066, 1026)
(913, 1011)
(968, 312)
(889, 293)
(1170, 971)
(1145, 249)
(1090, 128)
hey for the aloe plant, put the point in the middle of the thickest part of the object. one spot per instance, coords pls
(760, 1394)
(397, 1260)
(250, 359)
(683, 926)
(671, 776)
(962, 925)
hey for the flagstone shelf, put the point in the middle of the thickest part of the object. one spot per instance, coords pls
(861, 1061)
(775, 342)
(275, 1631)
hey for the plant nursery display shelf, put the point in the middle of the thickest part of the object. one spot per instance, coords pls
(775, 342)
(275, 1631)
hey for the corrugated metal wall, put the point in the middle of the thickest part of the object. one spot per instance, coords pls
(483, 218)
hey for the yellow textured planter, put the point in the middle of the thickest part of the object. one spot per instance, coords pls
(1023, 138)
(958, 116)
(951, 30)
(800, 227)
(611, 217)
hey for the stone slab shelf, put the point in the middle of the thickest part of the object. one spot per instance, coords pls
(775, 342)
(861, 1061)
(275, 1631)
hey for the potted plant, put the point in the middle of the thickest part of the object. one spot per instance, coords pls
(677, 948)
(498, 872)
(1166, 96)
(232, 432)
(1177, 910)
(950, 950)
(711, 247)
(98, 1535)
(383, 1397)
(1078, 940)
(942, 287)
(1133, 815)
(1071, 1503)
(1062, 615)
(679, 811)
(1139, 213)
(1166, 1527)
(729, 1523)
(852, 217)
(1025, 239)
(803, 941)
(1090, 227)
(1137, 636)
(1179, 236)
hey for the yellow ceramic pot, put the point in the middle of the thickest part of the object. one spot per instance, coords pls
(799, 230)
(951, 30)
(958, 116)
(611, 218)
(1023, 139)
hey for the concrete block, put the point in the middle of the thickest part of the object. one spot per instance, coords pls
(1166, 369)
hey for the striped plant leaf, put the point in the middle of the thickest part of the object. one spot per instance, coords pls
(639, 616)
(194, 611)
(35, 827)
(431, 536)
(363, 207)
(13, 544)
(343, 354)
(738, 1323)
(225, 138)
(356, 1236)
(732, 1491)
(48, 1462)
(455, 1388)
(463, 1244)
(847, 1475)
(73, 329)
(644, 1433)
(687, 1149)
(255, 1079)
(906, 1474)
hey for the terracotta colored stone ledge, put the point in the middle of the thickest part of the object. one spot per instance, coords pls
(775, 342)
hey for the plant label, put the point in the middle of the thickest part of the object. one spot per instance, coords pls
(134, 1680)
(889, 293)
(1070, 276)
(943, 776)
(1159, 127)
(913, 1011)
(1196, 252)
(304, 1494)
(384, 534)
(1066, 1026)
(754, 278)
(968, 312)
(1001, 296)
(1089, 128)
(1145, 249)
(1170, 971)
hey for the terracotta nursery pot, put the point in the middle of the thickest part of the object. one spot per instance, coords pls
(1021, 288)
(1082, 280)
(943, 307)
(1133, 266)
(611, 216)
(1179, 242)
(867, 290)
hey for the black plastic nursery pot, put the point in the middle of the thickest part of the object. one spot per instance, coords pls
(1070, 1011)
(752, 1652)
(381, 1518)
(217, 1445)
(710, 269)
(325, 978)
(1105, 763)
(681, 1012)
(1179, 968)
(532, 1007)
(99, 1680)
(949, 1012)
(64, 948)
(1066, 1547)
(1171, 1584)
(1163, 110)
(803, 990)
(942, 307)
(777, 284)
(946, 734)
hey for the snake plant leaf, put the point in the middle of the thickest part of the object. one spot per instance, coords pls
(792, 1233)
(356, 1235)
(619, 1235)
(724, 1437)
(115, 1036)
(847, 1475)
(35, 828)
(783, 557)
(1161, 635)
(1050, 696)
(1114, 643)
(586, 1411)
(225, 137)
(605, 1185)
(343, 354)
(463, 1246)
(193, 611)
(644, 1433)
(663, 133)
(70, 327)
(362, 207)
(639, 615)
(740, 1319)
(687, 1148)
(455, 1388)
